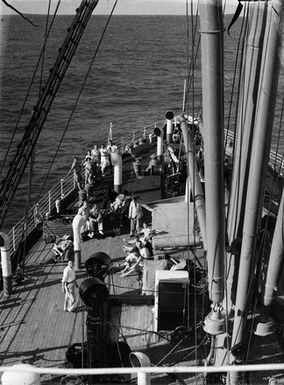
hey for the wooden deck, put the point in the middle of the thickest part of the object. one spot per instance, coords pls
(34, 328)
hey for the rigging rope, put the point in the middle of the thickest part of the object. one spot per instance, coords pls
(43, 55)
(192, 62)
(235, 83)
(29, 89)
(78, 97)
(27, 205)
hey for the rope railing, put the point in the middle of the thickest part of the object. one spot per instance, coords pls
(276, 159)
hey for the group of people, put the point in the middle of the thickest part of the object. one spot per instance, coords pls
(118, 207)
(96, 162)
(138, 250)
(93, 217)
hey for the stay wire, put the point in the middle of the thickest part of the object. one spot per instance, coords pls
(43, 55)
(240, 52)
(236, 77)
(29, 89)
(28, 200)
(78, 97)
(194, 55)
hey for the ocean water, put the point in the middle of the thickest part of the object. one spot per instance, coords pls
(137, 76)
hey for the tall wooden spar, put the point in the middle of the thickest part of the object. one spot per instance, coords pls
(258, 167)
(249, 83)
(211, 23)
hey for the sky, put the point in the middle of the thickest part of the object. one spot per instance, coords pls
(124, 7)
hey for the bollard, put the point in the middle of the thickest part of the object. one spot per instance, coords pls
(116, 161)
(6, 263)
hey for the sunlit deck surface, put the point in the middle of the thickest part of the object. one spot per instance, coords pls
(34, 328)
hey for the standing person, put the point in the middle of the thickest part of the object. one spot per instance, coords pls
(95, 154)
(104, 159)
(89, 175)
(76, 168)
(137, 167)
(111, 147)
(88, 156)
(95, 160)
(68, 287)
(136, 214)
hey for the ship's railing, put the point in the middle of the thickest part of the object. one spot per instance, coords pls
(46, 204)
(276, 159)
(272, 372)
(66, 185)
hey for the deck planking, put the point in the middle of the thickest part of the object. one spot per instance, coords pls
(33, 327)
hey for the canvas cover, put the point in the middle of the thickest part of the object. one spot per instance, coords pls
(177, 224)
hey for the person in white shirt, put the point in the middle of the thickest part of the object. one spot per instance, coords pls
(104, 159)
(136, 215)
(68, 287)
(111, 147)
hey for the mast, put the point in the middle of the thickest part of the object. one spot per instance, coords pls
(244, 135)
(257, 175)
(211, 21)
(211, 25)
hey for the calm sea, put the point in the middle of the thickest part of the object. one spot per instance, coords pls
(137, 76)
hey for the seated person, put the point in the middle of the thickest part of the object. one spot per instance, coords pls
(143, 250)
(134, 260)
(131, 246)
(132, 263)
(153, 162)
(146, 234)
(61, 246)
(145, 237)
(120, 201)
(95, 217)
(118, 209)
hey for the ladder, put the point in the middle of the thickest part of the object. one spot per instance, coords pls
(48, 93)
